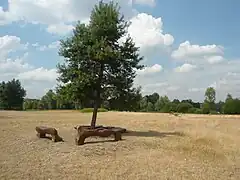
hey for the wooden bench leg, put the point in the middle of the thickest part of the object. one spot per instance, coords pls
(117, 136)
(80, 140)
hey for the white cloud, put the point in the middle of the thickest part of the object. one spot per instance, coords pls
(39, 74)
(53, 45)
(196, 89)
(186, 50)
(34, 79)
(185, 68)
(9, 44)
(54, 12)
(35, 44)
(5, 17)
(150, 70)
(172, 88)
(9, 67)
(159, 84)
(60, 29)
(161, 87)
(214, 59)
(147, 32)
(12, 67)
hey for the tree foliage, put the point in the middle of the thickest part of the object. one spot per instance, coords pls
(11, 95)
(184, 107)
(210, 95)
(231, 106)
(210, 98)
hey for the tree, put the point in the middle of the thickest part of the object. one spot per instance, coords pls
(153, 98)
(184, 107)
(12, 95)
(229, 97)
(231, 105)
(219, 106)
(30, 104)
(176, 101)
(64, 100)
(99, 57)
(143, 104)
(3, 96)
(49, 100)
(210, 97)
(206, 108)
(150, 107)
(127, 101)
(162, 101)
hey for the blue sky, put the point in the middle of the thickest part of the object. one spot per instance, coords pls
(207, 30)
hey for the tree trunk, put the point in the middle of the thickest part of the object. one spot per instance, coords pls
(97, 98)
(95, 109)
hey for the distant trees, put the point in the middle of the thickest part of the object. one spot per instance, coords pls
(12, 98)
(231, 106)
(11, 95)
(50, 101)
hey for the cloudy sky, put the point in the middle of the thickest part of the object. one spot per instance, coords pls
(188, 45)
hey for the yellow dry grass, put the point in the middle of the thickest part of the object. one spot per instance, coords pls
(160, 146)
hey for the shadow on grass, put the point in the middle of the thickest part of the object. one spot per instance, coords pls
(50, 138)
(5, 117)
(152, 133)
(101, 141)
(46, 137)
(140, 134)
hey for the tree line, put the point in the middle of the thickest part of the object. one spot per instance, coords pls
(12, 98)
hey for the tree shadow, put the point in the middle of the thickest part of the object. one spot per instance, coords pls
(152, 133)
(139, 134)
(101, 141)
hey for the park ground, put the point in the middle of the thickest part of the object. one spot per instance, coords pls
(159, 146)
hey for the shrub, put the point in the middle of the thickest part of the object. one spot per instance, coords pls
(198, 111)
(192, 110)
(166, 108)
(195, 111)
(90, 110)
(184, 107)
(213, 112)
(206, 108)
(232, 106)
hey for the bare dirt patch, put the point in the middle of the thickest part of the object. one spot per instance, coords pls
(158, 146)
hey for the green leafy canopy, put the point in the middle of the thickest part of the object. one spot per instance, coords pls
(99, 57)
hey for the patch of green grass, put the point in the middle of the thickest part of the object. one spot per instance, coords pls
(90, 110)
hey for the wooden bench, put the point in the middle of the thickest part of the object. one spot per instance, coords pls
(84, 132)
(43, 130)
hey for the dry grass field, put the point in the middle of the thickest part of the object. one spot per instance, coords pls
(159, 146)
